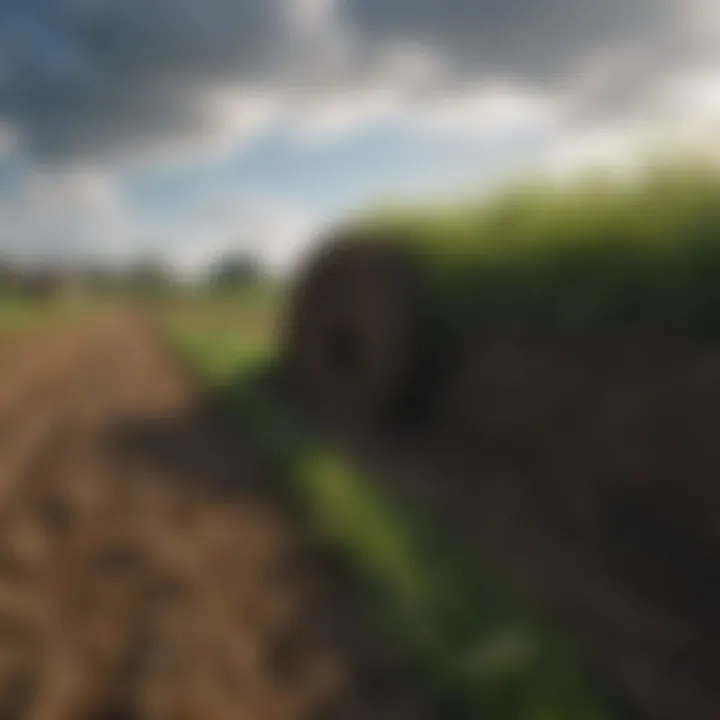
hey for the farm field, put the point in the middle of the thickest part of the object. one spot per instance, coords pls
(143, 570)
(223, 556)
(187, 532)
(359, 360)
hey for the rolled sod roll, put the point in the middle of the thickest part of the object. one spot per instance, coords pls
(357, 336)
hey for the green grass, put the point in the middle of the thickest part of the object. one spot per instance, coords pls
(243, 320)
(481, 651)
(600, 254)
(18, 313)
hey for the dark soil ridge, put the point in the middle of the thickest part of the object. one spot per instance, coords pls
(587, 472)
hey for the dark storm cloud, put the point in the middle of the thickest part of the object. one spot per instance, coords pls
(531, 39)
(79, 76)
(86, 77)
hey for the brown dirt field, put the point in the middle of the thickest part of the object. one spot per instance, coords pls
(144, 573)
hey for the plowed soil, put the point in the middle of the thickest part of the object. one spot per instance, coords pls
(144, 573)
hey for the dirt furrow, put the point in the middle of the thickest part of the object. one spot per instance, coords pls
(142, 575)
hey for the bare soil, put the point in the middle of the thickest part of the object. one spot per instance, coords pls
(144, 571)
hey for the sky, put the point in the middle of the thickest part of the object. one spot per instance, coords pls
(181, 130)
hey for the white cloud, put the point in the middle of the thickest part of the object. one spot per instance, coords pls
(342, 112)
(271, 229)
(693, 95)
(486, 109)
(80, 216)
(471, 112)
(618, 148)
(76, 215)
(682, 115)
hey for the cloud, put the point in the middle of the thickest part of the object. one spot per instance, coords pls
(272, 229)
(82, 77)
(83, 80)
(694, 94)
(9, 141)
(65, 215)
(681, 115)
(526, 39)
(474, 113)
(81, 216)
(90, 89)
(231, 117)
(488, 109)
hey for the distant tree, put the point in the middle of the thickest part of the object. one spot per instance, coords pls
(7, 275)
(42, 283)
(148, 276)
(235, 270)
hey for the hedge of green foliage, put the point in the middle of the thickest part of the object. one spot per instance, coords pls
(603, 253)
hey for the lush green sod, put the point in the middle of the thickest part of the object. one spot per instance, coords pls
(600, 254)
(482, 652)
